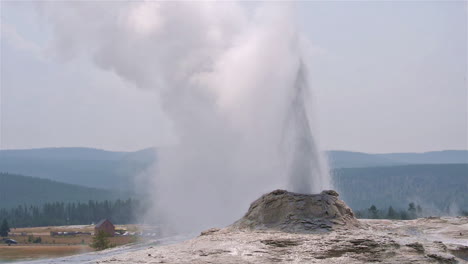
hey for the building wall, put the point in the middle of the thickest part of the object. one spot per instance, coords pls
(106, 227)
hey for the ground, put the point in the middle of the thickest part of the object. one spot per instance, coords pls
(426, 240)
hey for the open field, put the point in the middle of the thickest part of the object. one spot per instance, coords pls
(57, 245)
(24, 252)
(70, 240)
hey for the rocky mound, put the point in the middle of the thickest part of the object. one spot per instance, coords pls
(298, 213)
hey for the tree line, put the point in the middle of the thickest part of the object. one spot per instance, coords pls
(414, 211)
(127, 211)
(59, 213)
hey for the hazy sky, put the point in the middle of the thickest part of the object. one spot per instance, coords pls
(387, 77)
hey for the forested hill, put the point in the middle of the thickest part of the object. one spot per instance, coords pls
(441, 188)
(82, 166)
(439, 179)
(18, 190)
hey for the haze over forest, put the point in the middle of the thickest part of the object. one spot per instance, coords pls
(436, 180)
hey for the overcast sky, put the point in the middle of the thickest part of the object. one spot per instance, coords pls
(387, 77)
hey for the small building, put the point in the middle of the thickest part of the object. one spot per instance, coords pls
(106, 226)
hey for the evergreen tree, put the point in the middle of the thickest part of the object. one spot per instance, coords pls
(358, 214)
(391, 214)
(100, 241)
(4, 229)
(419, 210)
(403, 215)
(373, 212)
(411, 210)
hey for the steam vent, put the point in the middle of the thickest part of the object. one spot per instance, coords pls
(298, 213)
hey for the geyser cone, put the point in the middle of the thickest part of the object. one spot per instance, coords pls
(301, 213)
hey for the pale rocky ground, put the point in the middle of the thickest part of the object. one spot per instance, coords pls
(424, 240)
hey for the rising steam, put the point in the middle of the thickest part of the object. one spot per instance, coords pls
(233, 85)
(307, 171)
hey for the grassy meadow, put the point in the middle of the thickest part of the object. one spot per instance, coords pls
(28, 247)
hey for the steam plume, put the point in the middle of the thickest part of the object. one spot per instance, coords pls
(234, 86)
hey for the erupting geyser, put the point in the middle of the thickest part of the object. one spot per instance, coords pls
(232, 83)
(308, 172)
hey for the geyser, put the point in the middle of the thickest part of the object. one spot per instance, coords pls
(307, 171)
(232, 82)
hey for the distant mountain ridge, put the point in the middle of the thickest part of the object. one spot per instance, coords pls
(349, 159)
(82, 166)
(68, 153)
(432, 157)
(340, 157)
(117, 170)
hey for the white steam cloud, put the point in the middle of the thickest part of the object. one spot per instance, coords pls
(234, 85)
